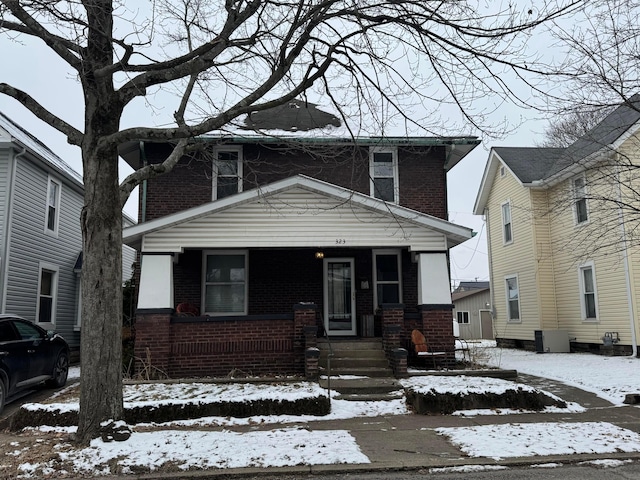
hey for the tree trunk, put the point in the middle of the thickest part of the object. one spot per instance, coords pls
(101, 340)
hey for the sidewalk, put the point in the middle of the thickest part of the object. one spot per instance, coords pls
(400, 442)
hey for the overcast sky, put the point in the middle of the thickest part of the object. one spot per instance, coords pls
(29, 65)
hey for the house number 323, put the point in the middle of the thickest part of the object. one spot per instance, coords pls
(340, 241)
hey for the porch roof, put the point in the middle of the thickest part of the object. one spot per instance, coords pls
(296, 212)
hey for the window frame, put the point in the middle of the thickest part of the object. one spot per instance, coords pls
(386, 251)
(508, 302)
(55, 270)
(395, 172)
(465, 315)
(583, 293)
(505, 240)
(205, 254)
(53, 231)
(230, 148)
(579, 195)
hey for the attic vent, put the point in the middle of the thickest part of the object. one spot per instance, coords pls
(294, 105)
(502, 171)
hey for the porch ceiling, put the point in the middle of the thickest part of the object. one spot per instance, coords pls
(296, 212)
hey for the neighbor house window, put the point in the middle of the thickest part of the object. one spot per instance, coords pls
(52, 215)
(463, 317)
(47, 291)
(580, 199)
(225, 282)
(383, 170)
(589, 303)
(507, 234)
(513, 299)
(386, 277)
(227, 172)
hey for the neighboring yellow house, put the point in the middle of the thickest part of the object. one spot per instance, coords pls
(563, 229)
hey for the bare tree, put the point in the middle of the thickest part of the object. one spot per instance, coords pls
(600, 71)
(373, 59)
(565, 128)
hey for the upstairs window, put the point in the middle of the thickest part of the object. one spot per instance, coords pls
(383, 171)
(52, 215)
(580, 200)
(227, 172)
(507, 234)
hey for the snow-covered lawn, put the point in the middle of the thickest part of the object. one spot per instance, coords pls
(199, 443)
(610, 378)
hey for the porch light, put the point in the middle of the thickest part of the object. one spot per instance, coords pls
(319, 255)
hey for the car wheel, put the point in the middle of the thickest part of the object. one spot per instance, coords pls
(60, 371)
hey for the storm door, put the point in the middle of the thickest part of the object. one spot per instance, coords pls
(339, 296)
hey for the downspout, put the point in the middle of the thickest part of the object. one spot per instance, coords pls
(143, 201)
(625, 254)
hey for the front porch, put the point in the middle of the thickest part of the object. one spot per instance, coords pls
(240, 263)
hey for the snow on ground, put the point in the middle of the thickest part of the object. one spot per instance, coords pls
(204, 449)
(192, 446)
(525, 440)
(610, 378)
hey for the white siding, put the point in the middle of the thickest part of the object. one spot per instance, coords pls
(296, 218)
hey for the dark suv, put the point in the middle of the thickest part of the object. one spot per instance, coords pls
(29, 355)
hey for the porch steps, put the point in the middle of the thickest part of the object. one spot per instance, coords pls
(359, 370)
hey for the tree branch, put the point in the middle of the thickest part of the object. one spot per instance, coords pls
(74, 136)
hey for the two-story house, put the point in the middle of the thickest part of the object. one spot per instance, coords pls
(41, 198)
(563, 248)
(286, 227)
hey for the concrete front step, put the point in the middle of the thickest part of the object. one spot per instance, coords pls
(354, 356)
(362, 386)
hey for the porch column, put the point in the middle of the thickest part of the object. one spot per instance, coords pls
(153, 316)
(434, 286)
(156, 282)
(434, 302)
(304, 318)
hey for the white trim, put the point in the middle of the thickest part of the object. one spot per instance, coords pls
(455, 234)
(50, 267)
(506, 297)
(394, 165)
(243, 252)
(325, 295)
(53, 232)
(227, 148)
(386, 251)
(583, 308)
(504, 223)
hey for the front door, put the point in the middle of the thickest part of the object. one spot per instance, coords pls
(339, 296)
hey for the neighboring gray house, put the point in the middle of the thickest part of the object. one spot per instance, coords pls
(40, 239)
(472, 310)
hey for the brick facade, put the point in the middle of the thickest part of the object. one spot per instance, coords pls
(422, 177)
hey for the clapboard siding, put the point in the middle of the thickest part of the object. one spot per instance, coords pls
(295, 218)
(29, 246)
(4, 187)
(516, 258)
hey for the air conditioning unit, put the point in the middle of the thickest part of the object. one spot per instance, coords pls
(552, 341)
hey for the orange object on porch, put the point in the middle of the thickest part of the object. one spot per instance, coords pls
(421, 347)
